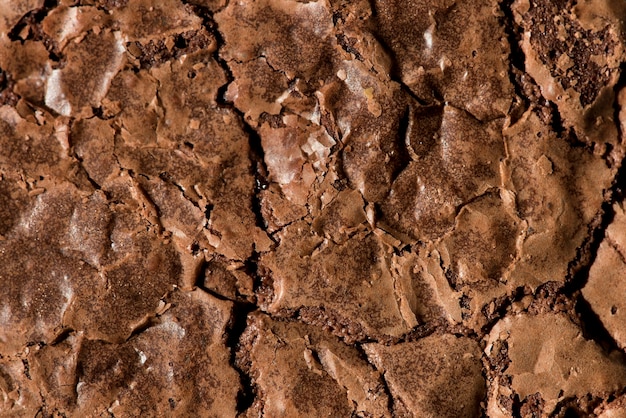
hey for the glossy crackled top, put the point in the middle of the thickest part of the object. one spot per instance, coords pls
(312, 208)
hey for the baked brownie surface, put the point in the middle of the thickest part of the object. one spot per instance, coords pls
(282, 208)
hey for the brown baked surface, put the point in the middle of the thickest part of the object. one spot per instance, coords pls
(282, 208)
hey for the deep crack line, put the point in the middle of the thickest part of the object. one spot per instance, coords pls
(579, 268)
(246, 396)
(239, 322)
(516, 54)
(381, 379)
(256, 153)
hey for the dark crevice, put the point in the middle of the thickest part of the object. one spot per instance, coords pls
(394, 72)
(501, 307)
(235, 329)
(593, 328)
(424, 330)
(32, 20)
(527, 92)
(93, 183)
(26, 369)
(347, 44)
(263, 283)
(406, 89)
(579, 268)
(36, 15)
(556, 123)
(402, 159)
(450, 275)
(7, 95)
(517, 58)
(382, 380)
(207, 211)
(256, 153)
(278, 230)
(168, 178)
(62, 336)
(200, 284)
(620, 85)
(572, 407)
(98, 112)
(148, 323)
(245, 397)
(261, 182)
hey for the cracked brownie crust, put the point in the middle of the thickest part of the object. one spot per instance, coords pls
(312, 208)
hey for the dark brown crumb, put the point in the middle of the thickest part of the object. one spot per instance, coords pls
(332, 322)
(584, 75)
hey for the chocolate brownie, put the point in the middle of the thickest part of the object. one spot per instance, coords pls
(285, 208)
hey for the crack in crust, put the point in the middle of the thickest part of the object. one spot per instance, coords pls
(358, 190)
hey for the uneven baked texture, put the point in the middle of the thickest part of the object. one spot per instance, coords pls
(548, 360)
(605, 286)
(425, 375)
(312, 208)
(310, 372)
(178, 366)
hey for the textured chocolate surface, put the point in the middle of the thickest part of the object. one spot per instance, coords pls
(605, 287)
(312, 208)
(424, 375)
(547, 356)
(311, 373)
